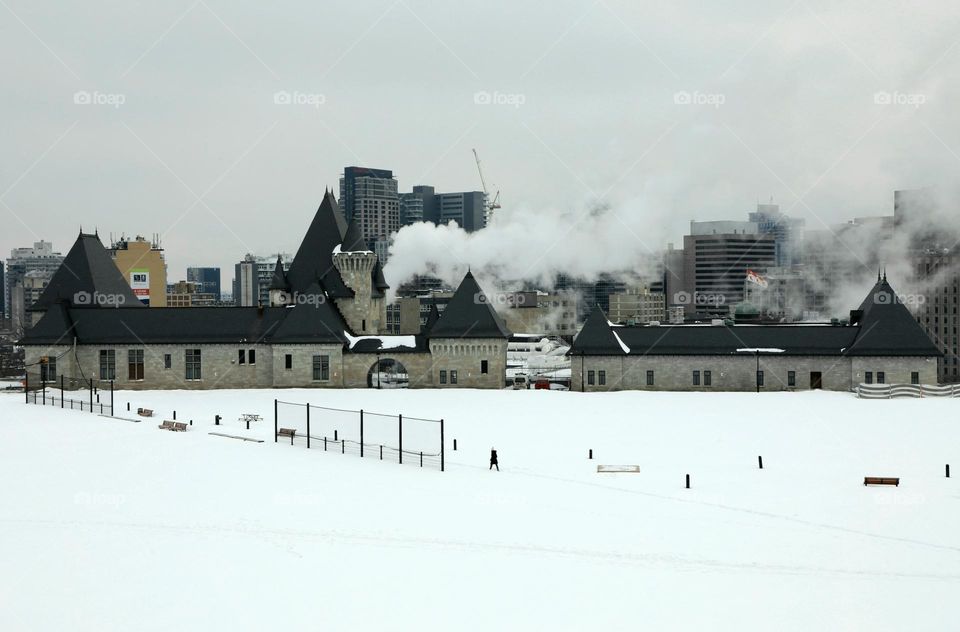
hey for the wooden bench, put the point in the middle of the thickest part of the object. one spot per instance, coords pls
(168, 425)
(179, 426)
(145, 412)
(881, 480)
(287, 432)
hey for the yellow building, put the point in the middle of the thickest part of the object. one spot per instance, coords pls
(142, 264)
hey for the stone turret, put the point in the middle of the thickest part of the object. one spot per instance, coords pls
(366, 311)
(280, 294)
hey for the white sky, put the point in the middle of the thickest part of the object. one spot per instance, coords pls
(200, 152)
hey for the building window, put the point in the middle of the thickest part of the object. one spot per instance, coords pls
(591, 378)
(321, 368)
(649, 378)
(48, 370)
(881, 377)
(252, 356)
(791, 378)
(602, 378)
(241, 357)
(915, 377)
(707, 378)
(288, 361)
(192, 364)
(135, 364)
(453, 377)
(759, 378)
(868, 377)
(696, 378)
(167, 361)
(108, 364)
(443, 376)
(484, 366)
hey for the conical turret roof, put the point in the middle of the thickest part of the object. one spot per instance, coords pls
(469, 315)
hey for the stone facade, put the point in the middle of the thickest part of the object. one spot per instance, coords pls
(364, 313)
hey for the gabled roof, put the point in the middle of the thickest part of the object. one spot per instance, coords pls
(888, 328)
(314, 259)
(87, 276)
(596, 335)
(313, 319)
(353, 239)
(469, 315)
(279, 280)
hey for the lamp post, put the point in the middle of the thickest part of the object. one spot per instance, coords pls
(757, 375)
(378, 371)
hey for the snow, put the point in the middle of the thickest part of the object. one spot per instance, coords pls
(760, 350)
(113, 525)
(386, 342)
(625, 348)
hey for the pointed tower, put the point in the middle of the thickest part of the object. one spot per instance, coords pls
(365, 311)
(280, 294)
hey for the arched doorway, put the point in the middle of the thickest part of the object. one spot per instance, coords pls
(387, 373)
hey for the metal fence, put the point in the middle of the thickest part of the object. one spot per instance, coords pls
(891, 391)
(86, 394)
(404, 439)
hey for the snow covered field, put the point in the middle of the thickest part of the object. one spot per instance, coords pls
(113, 525)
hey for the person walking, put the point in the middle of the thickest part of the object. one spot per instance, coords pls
(493, 460)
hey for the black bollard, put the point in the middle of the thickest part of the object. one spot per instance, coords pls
(191, 422)
(128, 406)
(591, 453)
(174, 415)
(335, 436)
(381, 453)
(760, 461)
(688, 481)
(343, 446)
(454, 445)
(948, 470)
(216, 420)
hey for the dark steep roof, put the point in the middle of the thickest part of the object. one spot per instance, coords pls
(432, 317)
(469, 315)
(313, 319)
(314, 259)
(86, 275)
(353, 239)
(279, 280)
(886, 328)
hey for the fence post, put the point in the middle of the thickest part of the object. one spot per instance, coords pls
(274, 420)
(361, 433)
(91, 395)
(442, 450)
(324, 443)
(61, 390)
(381, 451)
(400, 451)
(421, 458)
(308, 425)
(26, 386)
(43, 385)
(111, 398)
(760, 460)
(343, 446)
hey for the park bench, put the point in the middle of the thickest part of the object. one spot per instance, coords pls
(168, 425)
(287, 432)
(145, 412)
(179, 426)
(881, 480)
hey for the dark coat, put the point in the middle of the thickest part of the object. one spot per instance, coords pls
(493, 457)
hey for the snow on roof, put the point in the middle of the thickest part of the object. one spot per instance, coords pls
(625, 348)
(386, 342)
(760, 350)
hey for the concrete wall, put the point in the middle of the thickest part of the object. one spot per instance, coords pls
(738, 373)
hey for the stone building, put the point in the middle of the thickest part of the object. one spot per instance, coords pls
(881, 343)
(323, 328)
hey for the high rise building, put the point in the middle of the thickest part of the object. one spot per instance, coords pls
(590, 293)
(41, 259)
(142, 264)
(370, 196)
(717, 256)
(637, 305)
(418, 205)
(252, 277)
(207, 280)
(787, 232)
(423, 203)
(3, 293)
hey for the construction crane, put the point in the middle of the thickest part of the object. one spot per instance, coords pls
(489, 205)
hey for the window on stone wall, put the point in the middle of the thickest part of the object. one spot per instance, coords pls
(602, 378)
(288, 361)
(649, 378)
(167, 361)
(881, 377)
(108, 364)
(453, 377)
(321, 368)
(791, 378)
(48, 370)
(192, 364)
(443, 376)
(868, 377)
(484, 367)
(241, 356)
(135, 364)
(707, 378)
(591, 378)
(696, 378)
(252, 356)
(915, 377)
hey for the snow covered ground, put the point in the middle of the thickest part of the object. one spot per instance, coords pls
(114, 525)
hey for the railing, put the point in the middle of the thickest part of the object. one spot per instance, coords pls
(892, 391)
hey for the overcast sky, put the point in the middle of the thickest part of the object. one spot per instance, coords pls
(666, 111)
